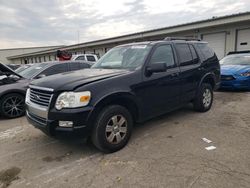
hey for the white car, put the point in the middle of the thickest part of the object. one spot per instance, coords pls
(85, 57)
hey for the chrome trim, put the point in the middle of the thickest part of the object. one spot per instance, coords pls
(37, 110)
(41, 88)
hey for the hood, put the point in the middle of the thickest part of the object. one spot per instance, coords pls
(71, 80)
(5, 70)
(234, 69)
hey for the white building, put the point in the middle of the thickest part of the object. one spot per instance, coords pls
(4, 53)
(224, 34)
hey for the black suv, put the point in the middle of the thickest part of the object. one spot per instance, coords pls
(131, 83)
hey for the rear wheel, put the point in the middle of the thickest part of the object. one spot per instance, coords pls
(204, 98)
(12, 105)
(112, 128)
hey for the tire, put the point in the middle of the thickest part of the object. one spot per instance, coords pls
(112, 129)
(204, 98)
(12, 105)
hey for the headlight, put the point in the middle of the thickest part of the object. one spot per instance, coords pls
(27, 98)
(72, 100)
(245, 74)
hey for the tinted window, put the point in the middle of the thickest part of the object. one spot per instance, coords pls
(206, 51)
(80, 58)
(184, 53)
(163, 54)
(194, 54)
(84, 65)
(74, 66)
(90, 58)
(56, 69)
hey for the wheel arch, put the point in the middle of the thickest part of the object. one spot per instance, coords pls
(124, 99)
(208, 78)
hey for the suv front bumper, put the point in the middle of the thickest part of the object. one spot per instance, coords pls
(48, 121)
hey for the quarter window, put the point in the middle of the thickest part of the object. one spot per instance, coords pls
(163, 54)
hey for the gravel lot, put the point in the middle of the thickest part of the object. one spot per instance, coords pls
(165, 152)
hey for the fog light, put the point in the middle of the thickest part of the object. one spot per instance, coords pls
(65, 123)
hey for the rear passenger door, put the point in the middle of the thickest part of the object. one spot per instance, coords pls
(161, 91)
(189, 70)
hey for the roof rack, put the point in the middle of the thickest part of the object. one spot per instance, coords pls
(238, 52)
(182, 38)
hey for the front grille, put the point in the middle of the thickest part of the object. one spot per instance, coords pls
(227, 77)
(41, 97)
(37, 119)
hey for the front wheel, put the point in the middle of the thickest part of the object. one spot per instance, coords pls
(12, 105)
(112, 128)
(204, 98)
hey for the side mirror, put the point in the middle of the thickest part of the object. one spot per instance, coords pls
(40, 76)
(156, 67)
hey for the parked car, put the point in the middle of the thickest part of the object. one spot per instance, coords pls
(13, 66)
(23, 67)
(130, 83)
(13, 86)
(235, 71)
(85, 57)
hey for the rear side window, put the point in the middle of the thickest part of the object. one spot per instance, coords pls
(90, 58)
(84, 65)
(184, 53)
(163, 54)
(74, 66)
(194, 54)
(56, 69)
(206, 51)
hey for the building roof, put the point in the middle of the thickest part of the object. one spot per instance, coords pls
(214, 21)
(54, 46)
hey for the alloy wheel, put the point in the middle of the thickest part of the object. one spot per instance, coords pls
(13, 106)
(116, 129)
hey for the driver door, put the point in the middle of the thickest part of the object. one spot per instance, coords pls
(161, 91)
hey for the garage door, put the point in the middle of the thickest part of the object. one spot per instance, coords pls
(217, 41)
(243, 40)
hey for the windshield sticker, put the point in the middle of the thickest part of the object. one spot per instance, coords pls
(139, 46)
(38, 68)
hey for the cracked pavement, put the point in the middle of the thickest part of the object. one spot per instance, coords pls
(167, 151)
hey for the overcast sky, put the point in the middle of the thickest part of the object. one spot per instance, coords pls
(55, 22)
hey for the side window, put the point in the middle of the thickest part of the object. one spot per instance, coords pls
(84, 65)
(185, 56)
(80, 58)
(55, 69)
(90, 58)
(194, 55)
(74, 66)
(163, 54)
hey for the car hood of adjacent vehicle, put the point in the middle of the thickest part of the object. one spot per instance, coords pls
(6, 70)
(234, 69)
(71, 80)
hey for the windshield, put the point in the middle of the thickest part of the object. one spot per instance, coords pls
(124, 57)
(22, 68)
(236, 60)
(33, 70)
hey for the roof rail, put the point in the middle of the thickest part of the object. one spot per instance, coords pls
(182, 38)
